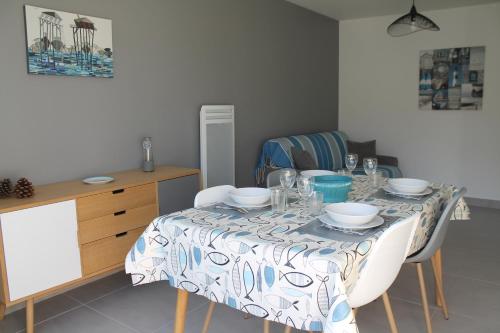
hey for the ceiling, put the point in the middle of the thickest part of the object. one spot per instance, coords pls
(351, 9)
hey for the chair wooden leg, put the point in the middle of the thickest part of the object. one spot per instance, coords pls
(390, 314)
(208, 317)
(2, 311)
(438, 273)
(423, 293)
(266, 326)
(355, 311)
(288, 329)
(30, 315)
(180, 311)
(439, 288)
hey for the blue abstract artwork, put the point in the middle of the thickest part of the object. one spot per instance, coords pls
(62, 43)
(451, 79)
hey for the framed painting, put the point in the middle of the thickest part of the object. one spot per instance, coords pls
(451, 79)
(62, 43)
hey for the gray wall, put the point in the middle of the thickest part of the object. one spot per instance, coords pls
(277, 63)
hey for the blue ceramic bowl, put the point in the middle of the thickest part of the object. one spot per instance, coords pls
(334, 188)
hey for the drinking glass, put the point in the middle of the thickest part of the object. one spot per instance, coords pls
(287, 179)
(316, 203)
(278, 199)
(305, 188)
(378, 178)
(351, 160)
(343, 172)
(370, 166)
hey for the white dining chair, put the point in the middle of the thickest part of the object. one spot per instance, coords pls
(381, 269)
(206, 197)
(212, 195)
(432, 251)
(203, 198)
(383, 265)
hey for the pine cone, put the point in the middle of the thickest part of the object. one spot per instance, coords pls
(5, 188)
(24, 189)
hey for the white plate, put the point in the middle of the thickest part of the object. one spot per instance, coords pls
(98, 180)
(390, 190)
(377, 221)
(351, 213)
(230, 202)
(408, 185)
(250, 195)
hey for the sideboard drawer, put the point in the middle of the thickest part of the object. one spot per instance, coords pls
(112, 224)
(100, 205)
(107, 252)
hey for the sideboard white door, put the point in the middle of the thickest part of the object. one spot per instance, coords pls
(41, 248)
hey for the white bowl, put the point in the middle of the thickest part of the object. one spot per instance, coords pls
(250, 195)
(351, 212)
(408, 185)
(314, 173)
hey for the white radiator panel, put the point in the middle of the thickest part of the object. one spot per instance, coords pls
(217, 145)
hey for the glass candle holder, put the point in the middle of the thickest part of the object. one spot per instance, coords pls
(148, 162)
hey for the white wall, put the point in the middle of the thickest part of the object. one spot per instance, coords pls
(378, 97)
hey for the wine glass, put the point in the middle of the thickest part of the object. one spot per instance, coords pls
(287, 179)
(351, 160)
(305, 188)
(370, 166)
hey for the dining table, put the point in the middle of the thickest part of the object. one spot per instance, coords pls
(286, 267)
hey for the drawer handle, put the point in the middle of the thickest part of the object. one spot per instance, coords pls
(119, 191)
(121, 212)
(121, 234)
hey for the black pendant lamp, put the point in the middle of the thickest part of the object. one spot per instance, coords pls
(410, 23)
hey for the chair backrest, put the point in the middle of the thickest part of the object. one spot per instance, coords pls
(439, 233)
(212, 195)
(273, 179)
(384, 262)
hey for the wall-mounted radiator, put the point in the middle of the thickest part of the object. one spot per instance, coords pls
(217, 145)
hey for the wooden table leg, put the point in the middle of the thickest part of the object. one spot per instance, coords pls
(2, 311)
(266, 326)
(208, 317)
(180, 311)
(438, 274)
(30, 315)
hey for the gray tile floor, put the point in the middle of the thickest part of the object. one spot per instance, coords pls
(472, 285)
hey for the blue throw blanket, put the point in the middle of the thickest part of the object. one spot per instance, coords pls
(328, 149)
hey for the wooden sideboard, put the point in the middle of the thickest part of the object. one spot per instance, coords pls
(71, 232)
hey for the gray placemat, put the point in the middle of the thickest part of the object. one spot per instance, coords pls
(317, 229)
(381, 194)
(231, 212)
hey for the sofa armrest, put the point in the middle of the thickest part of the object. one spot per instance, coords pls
(387, 160)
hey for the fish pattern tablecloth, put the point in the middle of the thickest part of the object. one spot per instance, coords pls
(287, 267)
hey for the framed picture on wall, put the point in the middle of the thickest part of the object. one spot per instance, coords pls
(451, 79)
(62, 43)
